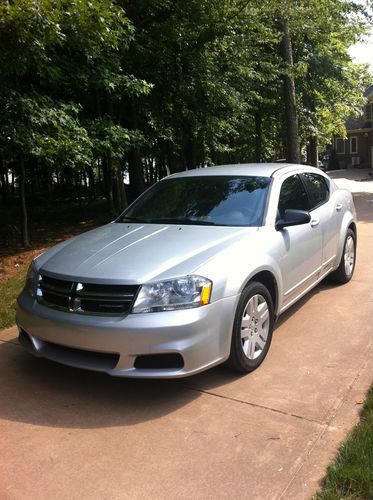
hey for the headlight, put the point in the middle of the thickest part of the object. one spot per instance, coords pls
(181, 293)
(32, 280)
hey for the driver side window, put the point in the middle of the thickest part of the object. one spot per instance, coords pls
(292, 196)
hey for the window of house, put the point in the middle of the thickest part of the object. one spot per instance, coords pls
(369, 112)
(339, 146)
(353, 144)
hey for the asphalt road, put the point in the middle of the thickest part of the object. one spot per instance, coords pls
(66, 433)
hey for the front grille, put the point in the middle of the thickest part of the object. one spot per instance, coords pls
(86, 298)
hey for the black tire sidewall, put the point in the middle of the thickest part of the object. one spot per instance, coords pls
(238, 360)
(352, 234)
(340, 275)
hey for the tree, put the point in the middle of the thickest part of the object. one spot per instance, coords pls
(61, 64)
(45, 129)
(329, 86)
(291, 115)
(95, 92)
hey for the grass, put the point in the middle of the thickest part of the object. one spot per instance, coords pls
(9, 291)
(350, 477)
(48, 224)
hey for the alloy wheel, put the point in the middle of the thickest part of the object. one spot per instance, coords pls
(255, 326)
(349, 255)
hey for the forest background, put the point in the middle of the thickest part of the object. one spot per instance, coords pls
(100, 99)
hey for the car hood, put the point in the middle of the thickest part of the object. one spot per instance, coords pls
(136, 253)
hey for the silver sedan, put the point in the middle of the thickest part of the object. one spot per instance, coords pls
(194, 273)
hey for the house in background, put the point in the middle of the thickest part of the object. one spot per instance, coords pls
(357, 149)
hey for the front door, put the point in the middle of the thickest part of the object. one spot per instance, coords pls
(299, 247)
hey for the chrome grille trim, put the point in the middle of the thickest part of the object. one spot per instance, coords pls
(86, 298)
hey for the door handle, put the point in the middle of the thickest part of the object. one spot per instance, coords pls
(338, 207)
(315, 222)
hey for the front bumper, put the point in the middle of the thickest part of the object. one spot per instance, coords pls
(201, 336)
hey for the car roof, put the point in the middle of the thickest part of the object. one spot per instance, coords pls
(246, 169)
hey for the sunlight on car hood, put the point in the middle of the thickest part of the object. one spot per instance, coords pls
(138, 253)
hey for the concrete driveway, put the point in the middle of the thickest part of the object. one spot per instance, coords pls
(72, 434)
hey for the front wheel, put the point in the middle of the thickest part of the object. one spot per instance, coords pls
(346, 267)
(252, 329)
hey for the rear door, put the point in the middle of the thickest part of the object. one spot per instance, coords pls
(327, 213)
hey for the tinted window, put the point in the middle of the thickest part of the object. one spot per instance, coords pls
(292, 196)
(208, 200)
(318, 188)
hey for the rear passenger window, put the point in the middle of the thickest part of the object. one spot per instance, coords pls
(318, 188)
(292, 196)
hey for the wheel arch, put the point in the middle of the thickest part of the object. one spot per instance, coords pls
(267, 279)
(353, 228)
(348, 223)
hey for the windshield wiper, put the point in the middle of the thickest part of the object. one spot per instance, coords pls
(125, 218)
(170, 220)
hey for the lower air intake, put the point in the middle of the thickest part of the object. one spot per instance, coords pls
(159, 361)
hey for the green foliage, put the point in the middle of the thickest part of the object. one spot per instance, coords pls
(96, 89)
(47, 129)
(57, 57)
(210, 66)
(351, 475)
(329, 86)
(110, 139)
(216, 67)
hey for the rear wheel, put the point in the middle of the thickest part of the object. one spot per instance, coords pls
(252, 330)
(347, 264)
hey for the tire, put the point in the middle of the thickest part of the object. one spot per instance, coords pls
(254, 317)
(346, 267)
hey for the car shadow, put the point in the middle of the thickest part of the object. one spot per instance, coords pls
(44, 393)
(221, 375)
(41, 392)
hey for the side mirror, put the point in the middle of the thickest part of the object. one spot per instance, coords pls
(293, 218)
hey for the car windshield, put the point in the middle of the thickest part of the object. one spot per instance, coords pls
(202, 200)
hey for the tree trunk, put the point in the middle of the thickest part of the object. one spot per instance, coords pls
(22, 195)
(313, 152)
(258, 137)
(108, 183)
(77, 186)
(4, 180)
(119, 195)
(161, 170)
(121, 190)
(291, 119)
(189, 146)
(13, 181)
(32, 179)
(135, 171)
(91, 182)
(174, 162)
